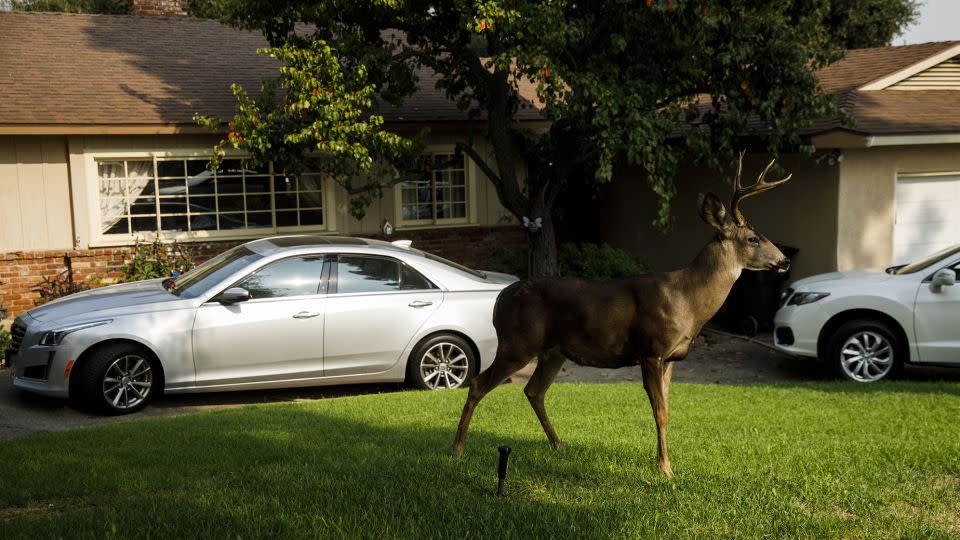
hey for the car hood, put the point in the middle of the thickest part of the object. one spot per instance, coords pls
(113, 298)
(840, 278)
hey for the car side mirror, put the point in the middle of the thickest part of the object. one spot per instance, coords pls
(232, 296)
(943, 278)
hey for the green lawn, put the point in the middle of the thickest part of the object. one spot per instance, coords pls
(814, 461)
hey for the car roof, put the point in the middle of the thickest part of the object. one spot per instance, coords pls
(277, 244)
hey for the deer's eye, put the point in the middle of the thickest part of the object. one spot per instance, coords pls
(754, 240)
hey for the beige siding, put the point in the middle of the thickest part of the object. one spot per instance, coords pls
(34, 194)
(867, 200)
(802, 213)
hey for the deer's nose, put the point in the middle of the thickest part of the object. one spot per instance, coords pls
(782, 265)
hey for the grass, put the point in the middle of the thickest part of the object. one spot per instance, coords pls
(813, 461)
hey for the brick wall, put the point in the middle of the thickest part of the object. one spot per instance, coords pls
(21, 272)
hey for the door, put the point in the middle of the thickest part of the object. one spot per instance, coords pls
(276, 335)
(935, 317)
(926, 218)
(376, 306)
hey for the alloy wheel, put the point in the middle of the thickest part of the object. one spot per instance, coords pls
(127, 381)
(444, 365)
(866, 356)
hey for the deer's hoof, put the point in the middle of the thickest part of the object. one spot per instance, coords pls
(666, 469)
(456, 451)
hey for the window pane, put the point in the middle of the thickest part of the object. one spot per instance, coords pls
(197, 167)
(171, 168)
(311, 217)
(177, 186)
(310, 183)
(286, 201)
(287, 219)
(203, 222)
(410, 279)
(110, 169)
(229, 185)
(201, 184)
(290, 277)
(200, 205)
(144, 224)
(258, 184)
(174, 205)
(367, 274)
(143, 206)
(231, 221)
(230, 167)
(311, 200)
(258, 202)
(173, 223)
(259, 220)
(140, 169)
(230, 203)
(119, 226)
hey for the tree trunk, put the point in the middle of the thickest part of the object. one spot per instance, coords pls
(543, 249)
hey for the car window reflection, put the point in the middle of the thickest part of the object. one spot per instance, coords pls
(296, 276)
(376, 274)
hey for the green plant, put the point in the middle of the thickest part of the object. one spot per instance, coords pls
(155, 260)
(600, 261)
(4, 343)
(60, 285)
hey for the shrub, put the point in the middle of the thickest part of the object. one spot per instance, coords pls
(60, 285)
(155, 260)
(4, 343)
(600, 261)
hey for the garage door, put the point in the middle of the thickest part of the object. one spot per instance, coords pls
(928, 215)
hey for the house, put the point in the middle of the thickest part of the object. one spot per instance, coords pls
(883, 191)
(98, 148)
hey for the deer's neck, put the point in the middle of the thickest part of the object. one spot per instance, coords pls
(709, 278)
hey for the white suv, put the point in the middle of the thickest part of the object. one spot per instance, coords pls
(867, 323)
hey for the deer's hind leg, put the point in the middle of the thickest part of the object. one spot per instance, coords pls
(505, 364)
(548, 366)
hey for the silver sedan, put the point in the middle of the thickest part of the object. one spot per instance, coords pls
(277, 312)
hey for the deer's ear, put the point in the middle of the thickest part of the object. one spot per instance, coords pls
(712, 211)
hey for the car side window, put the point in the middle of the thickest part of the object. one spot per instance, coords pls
(359, 274)
(295, 276)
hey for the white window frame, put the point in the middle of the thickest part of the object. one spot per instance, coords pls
(99, 239)
(470, 183)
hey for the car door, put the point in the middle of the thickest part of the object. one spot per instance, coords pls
(936, 315)
(275, 335)
(375, 308)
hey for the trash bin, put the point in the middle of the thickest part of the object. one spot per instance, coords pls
(755, 297)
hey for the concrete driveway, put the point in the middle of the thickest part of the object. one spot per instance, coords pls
(715, 359)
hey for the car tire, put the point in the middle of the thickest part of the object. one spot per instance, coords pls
(440, 362)
(116, 379)
(864, 350)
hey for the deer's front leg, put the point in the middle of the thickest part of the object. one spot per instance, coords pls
(656, 381)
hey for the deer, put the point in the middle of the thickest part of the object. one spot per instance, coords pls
(650, 320)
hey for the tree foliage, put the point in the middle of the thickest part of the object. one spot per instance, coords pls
(653, 83)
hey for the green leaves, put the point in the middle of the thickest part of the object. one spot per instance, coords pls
(316, 116)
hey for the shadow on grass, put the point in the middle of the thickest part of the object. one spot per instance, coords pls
(296, 471)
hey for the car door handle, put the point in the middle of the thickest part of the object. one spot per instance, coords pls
(419, 304)
(306, 315)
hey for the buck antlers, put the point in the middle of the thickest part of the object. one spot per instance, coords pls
(761, 185)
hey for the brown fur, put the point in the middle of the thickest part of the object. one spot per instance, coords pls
(648, 320)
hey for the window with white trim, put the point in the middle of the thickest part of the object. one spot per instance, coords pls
(180, 197)
(439, 198)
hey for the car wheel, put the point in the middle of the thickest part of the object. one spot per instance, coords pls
(117, 379)
(865, 351)
(440, 362)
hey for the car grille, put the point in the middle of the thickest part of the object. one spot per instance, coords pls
(16, 336)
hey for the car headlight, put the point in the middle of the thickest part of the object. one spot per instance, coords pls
(54, 337)
(801, 298)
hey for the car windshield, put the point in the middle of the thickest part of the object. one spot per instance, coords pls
(929, 261)
(199, 280)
